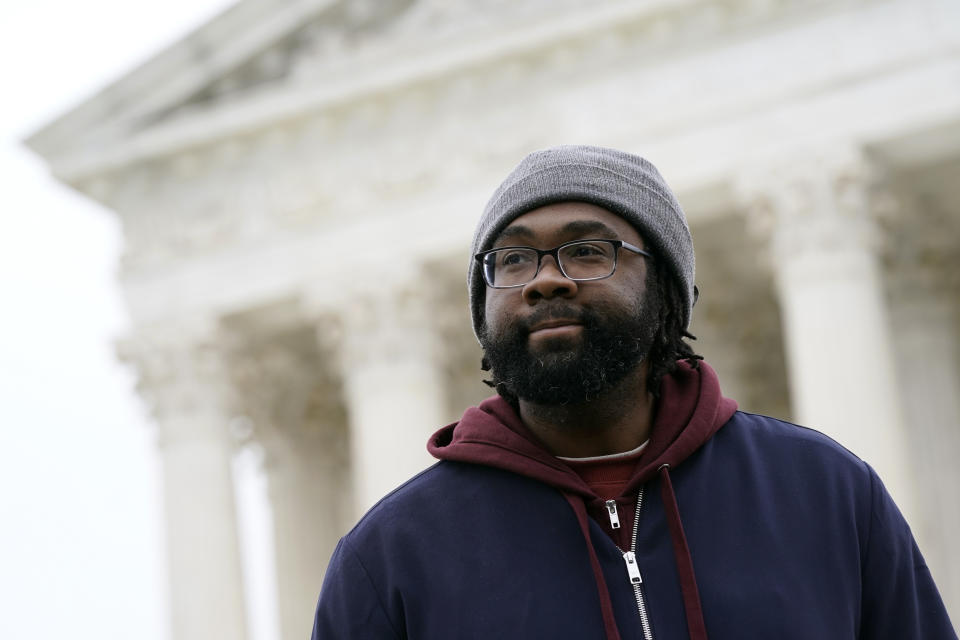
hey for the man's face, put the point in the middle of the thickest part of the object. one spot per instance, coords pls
(555, 341)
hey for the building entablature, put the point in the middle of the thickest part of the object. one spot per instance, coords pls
(417, 65)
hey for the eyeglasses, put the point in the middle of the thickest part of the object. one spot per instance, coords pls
(580, 260)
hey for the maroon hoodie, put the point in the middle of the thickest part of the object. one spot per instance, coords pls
(690, 410)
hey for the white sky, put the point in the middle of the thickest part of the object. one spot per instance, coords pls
(80, 538)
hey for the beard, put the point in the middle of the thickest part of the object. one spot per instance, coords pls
(573, 370)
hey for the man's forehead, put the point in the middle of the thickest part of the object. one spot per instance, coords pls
(568, 219)
(573, 227)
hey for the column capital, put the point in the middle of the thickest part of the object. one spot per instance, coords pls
(386, 326)
(287, 389)
(816, 201)
(181, 372)
(922, 260)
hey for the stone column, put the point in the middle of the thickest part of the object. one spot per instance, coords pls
(925, 291)
(293, 399)
(815, 212)
(181, 375)
(308, 485)
(394, 389)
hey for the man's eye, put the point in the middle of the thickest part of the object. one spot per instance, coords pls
(588, 250)
(514, 258)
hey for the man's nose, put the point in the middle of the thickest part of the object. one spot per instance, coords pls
(549, 283)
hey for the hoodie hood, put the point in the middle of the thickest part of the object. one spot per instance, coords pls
(690, 410)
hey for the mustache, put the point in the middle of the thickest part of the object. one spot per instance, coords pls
(559, 311)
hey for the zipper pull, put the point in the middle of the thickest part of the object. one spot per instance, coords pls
(612, 511)
(632, 569)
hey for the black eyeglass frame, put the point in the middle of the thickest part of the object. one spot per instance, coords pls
(555, 254)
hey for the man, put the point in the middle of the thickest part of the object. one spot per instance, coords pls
(609, 490)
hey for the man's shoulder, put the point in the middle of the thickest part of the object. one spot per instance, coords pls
(777, 433)
(444, 493)
(426, 486)
(772, 442)
(798, 469)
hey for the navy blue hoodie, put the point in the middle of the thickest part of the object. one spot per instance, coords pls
(784, 534)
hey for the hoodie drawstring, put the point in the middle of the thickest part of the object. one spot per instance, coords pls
(696, 627)
(606, 605)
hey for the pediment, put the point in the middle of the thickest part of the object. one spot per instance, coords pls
(247, 48)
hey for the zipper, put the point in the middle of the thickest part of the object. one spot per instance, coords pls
(612, 512)
(630, 559)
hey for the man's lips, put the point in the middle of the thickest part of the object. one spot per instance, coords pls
(555, 327)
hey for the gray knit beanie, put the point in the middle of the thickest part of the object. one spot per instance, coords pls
(622, 183)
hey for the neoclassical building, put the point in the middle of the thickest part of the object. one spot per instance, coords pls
(298, 182)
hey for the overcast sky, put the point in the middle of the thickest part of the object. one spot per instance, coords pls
(81, 539)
